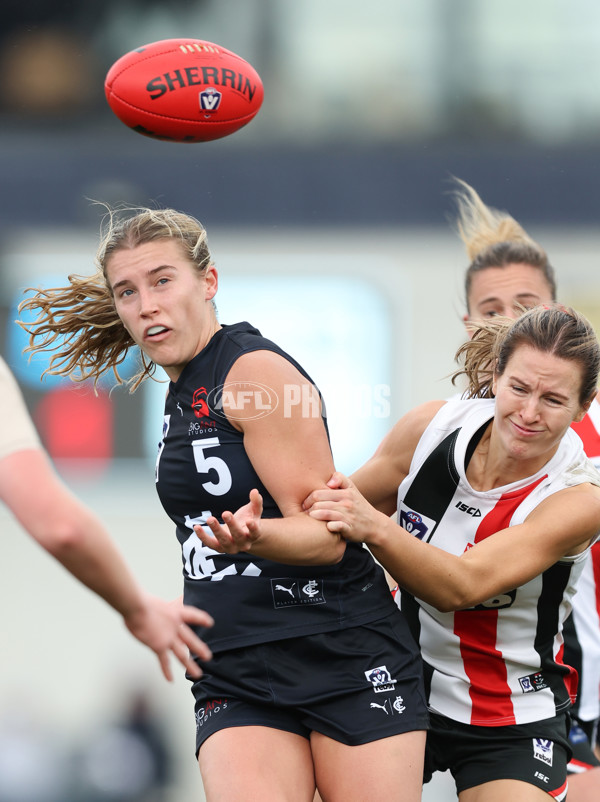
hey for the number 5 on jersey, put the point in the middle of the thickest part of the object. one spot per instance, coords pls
(204, 464)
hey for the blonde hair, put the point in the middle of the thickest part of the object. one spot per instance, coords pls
(79, 322)
(554, 329)
(495, 239)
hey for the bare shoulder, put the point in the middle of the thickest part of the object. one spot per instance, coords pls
(586, 494)
(580, 506)
(268, 365)
(379, 478)
(407, 432)
(262, 383)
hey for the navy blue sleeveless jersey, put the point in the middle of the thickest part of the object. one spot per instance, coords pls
(202, 469)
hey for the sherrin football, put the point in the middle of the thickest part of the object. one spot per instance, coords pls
(183, 90)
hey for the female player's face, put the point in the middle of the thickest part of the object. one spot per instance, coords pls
(505, 291)
(537, 399)
(163, 302)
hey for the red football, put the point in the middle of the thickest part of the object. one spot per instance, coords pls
(184, 90)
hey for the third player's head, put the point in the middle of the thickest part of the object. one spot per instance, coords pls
(508, 271)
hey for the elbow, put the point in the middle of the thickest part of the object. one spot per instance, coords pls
(448, 600)
(452, 588)
(331, 555)
(61, 539)
(446, 605)
(338, 552)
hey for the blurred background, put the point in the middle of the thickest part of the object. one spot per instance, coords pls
(330, 221)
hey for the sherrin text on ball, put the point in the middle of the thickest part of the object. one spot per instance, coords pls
(183, 90)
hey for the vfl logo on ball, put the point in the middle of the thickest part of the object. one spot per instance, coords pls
(381, 679)
(295, 592)
(210, 99)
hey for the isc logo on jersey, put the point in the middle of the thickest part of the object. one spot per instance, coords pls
(474, 511)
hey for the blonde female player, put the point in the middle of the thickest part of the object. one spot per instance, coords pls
(315, 680)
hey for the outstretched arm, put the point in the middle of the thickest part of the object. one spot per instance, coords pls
(71, 533)
(451, 582)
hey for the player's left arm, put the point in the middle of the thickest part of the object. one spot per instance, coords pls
(562, 525)
(290, 452)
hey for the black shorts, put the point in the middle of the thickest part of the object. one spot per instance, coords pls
(536, 753)
(582, 738)
(355, 685)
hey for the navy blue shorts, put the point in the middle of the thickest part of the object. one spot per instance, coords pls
(354, 685)
(536, 753)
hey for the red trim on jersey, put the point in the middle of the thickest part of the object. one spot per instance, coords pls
(477, 630)
(595, 561)
(589, 435)
(571, 679)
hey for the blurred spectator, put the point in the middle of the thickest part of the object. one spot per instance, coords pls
(47, 65)
(32, 765)
(129, 760)
(50, 55)
(47, 71)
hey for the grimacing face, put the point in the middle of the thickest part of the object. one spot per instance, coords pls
(537, 399)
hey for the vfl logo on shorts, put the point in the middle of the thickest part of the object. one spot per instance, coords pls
(381, 679)
(533, 682)
(294, 592)
(543, 750)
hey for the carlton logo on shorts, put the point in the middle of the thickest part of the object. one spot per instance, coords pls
(390, 708)
(293, 592)
(543, 750)
(381, 679)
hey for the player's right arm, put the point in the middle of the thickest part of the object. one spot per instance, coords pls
(380, 477)
(72, 534)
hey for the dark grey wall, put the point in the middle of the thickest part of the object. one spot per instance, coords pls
(47, 176)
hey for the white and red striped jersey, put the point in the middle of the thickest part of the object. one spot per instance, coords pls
(582, 638)
(500, 662)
